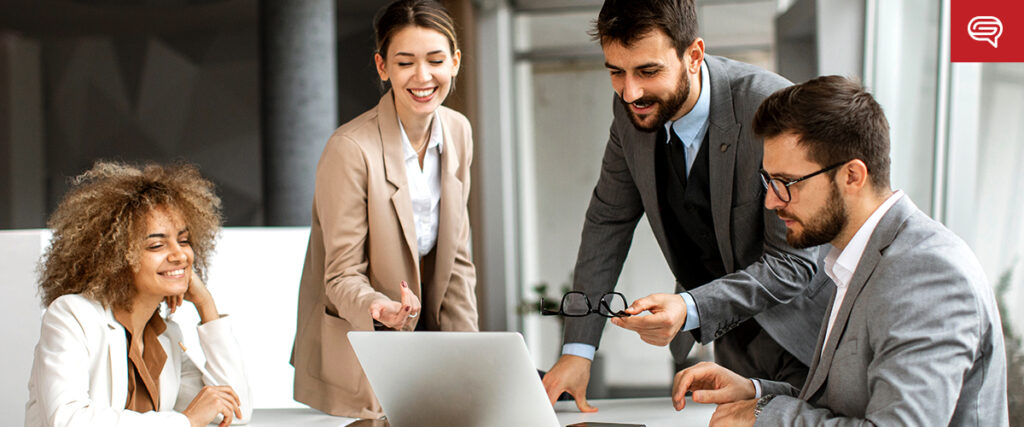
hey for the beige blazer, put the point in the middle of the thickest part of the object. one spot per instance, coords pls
(80, 371)
(362, 245)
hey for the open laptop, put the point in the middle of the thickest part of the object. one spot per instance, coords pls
(447, 379)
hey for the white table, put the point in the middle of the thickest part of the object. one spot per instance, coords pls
(653, 412)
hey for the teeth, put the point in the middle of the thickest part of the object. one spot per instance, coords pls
(422, 93)
(174, 272)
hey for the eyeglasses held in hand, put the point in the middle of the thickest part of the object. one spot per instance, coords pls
(576, 304)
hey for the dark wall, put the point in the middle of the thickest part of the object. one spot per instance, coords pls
(190, 97)
(181, 85)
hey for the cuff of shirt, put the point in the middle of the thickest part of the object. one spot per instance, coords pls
(585, 351)
(757, 387)
(692, 317)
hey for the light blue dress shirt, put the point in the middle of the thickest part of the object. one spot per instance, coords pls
(690, 129)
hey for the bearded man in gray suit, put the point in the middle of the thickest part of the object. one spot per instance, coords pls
(913, 335)
(681, 152)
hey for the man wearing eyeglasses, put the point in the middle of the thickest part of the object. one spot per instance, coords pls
(913, 335)
(680, 151)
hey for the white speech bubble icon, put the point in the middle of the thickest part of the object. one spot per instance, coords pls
(985, 28)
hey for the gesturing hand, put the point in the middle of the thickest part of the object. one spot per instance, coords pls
(668, 314)
(393, 314)
(213, 400)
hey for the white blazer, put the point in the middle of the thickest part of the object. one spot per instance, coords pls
(80, 371)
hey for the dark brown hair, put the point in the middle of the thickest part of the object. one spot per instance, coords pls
(835, 118)
(626, 21)
(99, 228)
(420, 13)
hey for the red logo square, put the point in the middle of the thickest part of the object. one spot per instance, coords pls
(987, 31)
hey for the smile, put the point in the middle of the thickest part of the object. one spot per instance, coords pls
(423, 93)
(173, 273)
(641, 107)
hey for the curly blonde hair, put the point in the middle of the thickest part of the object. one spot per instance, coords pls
(99, 228)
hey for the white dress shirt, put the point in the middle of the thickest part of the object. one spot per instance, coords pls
(840, 265)
(425, 185)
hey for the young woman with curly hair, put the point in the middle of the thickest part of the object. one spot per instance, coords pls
(125, 240)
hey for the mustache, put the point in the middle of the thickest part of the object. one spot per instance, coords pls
(783, 215)
(645, 100)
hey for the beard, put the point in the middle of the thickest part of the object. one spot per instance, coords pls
(824, 226)
(665, 107)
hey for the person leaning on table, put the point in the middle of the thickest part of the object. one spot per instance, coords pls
(680, 152)
(913, 337)
(389, 242)
(124, 241)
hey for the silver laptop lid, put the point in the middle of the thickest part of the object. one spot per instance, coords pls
(453, 378)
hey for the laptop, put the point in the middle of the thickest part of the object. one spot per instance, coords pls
(447, 379)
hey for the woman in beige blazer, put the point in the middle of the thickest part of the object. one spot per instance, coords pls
(389, 244)
(124, 241)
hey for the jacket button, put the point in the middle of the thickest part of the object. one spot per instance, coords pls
(724, 147)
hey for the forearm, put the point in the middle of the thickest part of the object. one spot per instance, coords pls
(774, 279)
(352, 295)
(225, 362)
(207, 310)
(790, 411)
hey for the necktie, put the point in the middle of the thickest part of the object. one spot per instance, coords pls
(677, 156)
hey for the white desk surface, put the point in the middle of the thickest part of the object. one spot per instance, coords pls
(653, 412)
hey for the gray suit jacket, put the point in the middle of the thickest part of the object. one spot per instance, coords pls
(764, 270)
(917, 341)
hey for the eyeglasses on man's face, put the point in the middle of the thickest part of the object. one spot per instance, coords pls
(576, 304)
(781, 186)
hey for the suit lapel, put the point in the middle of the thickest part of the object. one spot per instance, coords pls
(816, 360)
(451, 211)
(881, 238)
(394, 169)
(169, 375)
(117, 355)
(638, 147)
(723, 132)
(647, 183)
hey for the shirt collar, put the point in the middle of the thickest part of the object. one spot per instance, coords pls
(436, 136)
(840, 265)
(693, 125)
(155, 322)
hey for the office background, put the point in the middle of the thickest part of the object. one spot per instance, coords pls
(249, 90)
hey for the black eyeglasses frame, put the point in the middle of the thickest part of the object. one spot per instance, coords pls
(769, 182)
(602, 304)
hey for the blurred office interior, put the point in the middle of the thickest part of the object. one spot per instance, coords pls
(250, 90)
